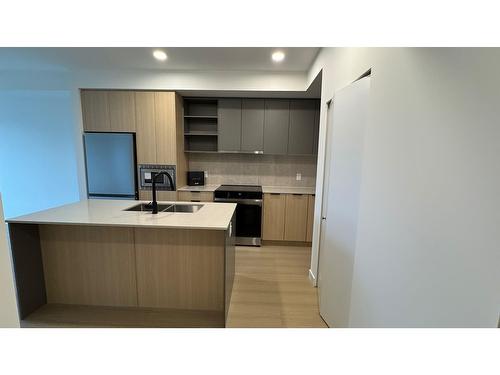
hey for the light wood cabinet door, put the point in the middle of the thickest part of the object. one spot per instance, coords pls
(165, 127)
(122, 111)
(145, 129)
(273, 223)
(95, 111)
(310, 218)
(296, 217)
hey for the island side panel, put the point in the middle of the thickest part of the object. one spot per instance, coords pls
(28, 268)
(229, 263)
(89, 265)
(180, 268)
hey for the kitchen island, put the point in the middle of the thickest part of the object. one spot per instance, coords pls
(92, 263)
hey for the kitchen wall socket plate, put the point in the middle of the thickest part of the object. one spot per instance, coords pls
(298, 177)
(206, 174)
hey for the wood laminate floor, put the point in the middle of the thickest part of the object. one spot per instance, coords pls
(272, 289)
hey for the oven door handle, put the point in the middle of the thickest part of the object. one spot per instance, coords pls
(253, 202)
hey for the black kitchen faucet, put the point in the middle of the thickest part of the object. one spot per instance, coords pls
(154, 176)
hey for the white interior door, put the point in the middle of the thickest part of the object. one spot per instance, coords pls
(347, 116)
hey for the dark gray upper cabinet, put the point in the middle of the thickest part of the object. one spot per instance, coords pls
(270, 126)
(316, 126)
(302, 127)
(276, 124)
(229, 125)
(252, 125)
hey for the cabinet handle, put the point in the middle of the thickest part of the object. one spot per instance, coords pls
(275, 193)
(298, 194)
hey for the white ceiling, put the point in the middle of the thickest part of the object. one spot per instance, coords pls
(297, 59)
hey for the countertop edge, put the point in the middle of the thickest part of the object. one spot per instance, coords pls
(116, 225)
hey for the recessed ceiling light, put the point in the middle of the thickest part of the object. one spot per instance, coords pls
(278, 56)
(160, 55)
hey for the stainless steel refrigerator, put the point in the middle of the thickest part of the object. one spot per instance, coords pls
(110, 160)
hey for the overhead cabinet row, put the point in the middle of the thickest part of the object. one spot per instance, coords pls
(268, 126)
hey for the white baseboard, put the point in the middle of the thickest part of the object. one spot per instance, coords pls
(312, 279)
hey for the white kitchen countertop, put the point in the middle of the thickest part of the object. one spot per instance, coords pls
(209, 188)
(102, 212)
(288, 190)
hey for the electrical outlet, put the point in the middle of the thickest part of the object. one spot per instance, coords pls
(298, 177)
(206, 175)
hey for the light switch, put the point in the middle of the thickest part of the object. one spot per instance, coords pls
(298, 177)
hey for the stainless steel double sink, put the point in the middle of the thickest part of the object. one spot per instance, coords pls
(147, 207)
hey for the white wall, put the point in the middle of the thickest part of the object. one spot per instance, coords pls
(427, 248)
(8, 306)
(38, 168)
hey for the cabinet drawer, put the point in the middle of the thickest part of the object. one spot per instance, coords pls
(296, 217)
(196, 196)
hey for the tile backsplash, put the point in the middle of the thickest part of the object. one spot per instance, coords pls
(265, 170)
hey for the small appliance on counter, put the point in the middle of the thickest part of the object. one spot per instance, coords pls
(196, 178)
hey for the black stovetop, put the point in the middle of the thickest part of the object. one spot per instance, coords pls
(240, 188)
(238, 192)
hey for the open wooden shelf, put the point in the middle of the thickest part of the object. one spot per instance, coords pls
(57, 315)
